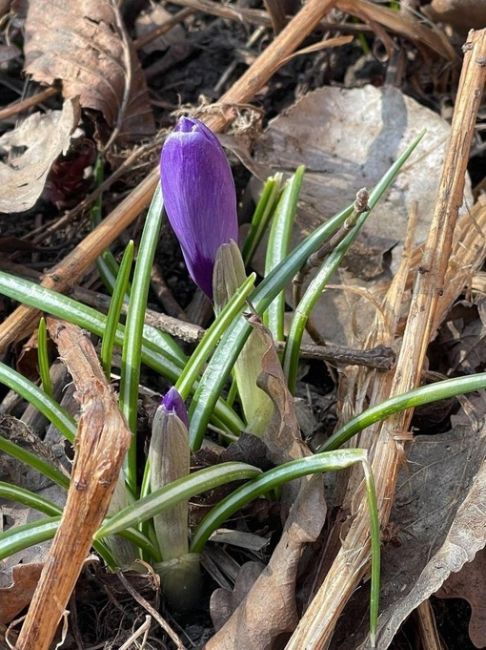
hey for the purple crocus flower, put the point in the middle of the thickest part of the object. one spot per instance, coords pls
(199, 197)
(173, 403)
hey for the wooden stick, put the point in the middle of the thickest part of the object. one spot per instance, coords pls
(351, 563)
(101, 443)
(404, 24)
(28, 102)
(429, 634)
(69, 271)
(163, 28)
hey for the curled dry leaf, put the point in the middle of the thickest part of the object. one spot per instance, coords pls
(282, 436)
(29, 152)
(84, 44)
(271, 597)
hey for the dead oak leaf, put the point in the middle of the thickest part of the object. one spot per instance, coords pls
(19, 593)
(84, 44)
(29, 152)
(470, 585)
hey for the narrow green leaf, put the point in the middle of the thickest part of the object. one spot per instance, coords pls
(132, 344)
(413, 398)
(27, 498)
(113, 316)
(43, 357)
(35, 532)
(211, 337)
(174, 493)
(21, 537)
(310, 298)
(261, 217)
(40, 400)
(273, 478)
(51, 302)
(34, 461)
(375, 550)
(278, 246)
(153, 355)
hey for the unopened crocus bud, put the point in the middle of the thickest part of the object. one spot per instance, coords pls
(172, 402)
(169, 459)
(199, 196)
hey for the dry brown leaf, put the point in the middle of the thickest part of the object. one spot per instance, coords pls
(85, 45)
(29, 152)
(19, 593)
(224, 602)
(461, 14)
(470, 584)
(282, 436)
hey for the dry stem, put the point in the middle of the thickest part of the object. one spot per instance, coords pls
(350, 565)
(101, 443)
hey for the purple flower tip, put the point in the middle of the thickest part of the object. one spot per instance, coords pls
(199, 196)
(173, 403)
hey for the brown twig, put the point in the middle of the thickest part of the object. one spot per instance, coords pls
(350, 565)
(403, 24)
(101, 443)
(68, 272)
(379, 357)
(163, 28)
(164, 294)
(28, 102)
(429, 634)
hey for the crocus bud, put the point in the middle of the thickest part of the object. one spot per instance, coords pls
(172, 402)
(199, 196)
(169, 459)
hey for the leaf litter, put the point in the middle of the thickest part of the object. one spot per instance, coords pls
(324, 131)
(29, 151)
(85, 45)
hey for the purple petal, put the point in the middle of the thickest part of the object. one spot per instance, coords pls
(173, 403)
(199, 196)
